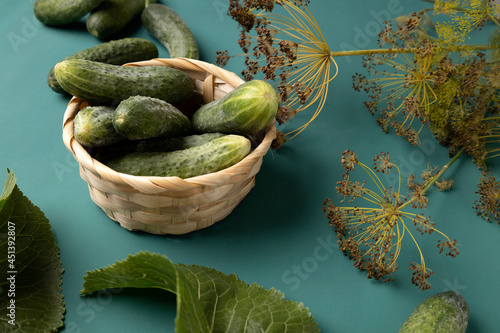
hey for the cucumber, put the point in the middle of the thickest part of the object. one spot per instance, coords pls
(102, 83)
(111, 16)
(57, 12)
(170, 30)
(178, 143)
(210, 157)
(116, 52)
(154, 145)
(246, 110)
(141, 117)
(444, 312)
(93, 127)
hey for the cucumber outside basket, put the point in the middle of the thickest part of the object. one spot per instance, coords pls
(171, 205)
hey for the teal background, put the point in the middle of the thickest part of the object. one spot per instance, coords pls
(278, 236)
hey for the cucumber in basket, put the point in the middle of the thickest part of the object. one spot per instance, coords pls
(178, 143)
(141, 117)
(116, 52)
(93, 127)
(102, 83)
(246, 110)
(168, 27)
(57, 12)
(111, 16)
(155, 145)
(213, 156)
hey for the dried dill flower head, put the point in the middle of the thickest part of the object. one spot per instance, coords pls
(488, 203)
(436, 81)
(288, 50)
(372, 236)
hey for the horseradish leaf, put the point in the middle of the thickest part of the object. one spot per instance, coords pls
(207, 300)
(30, 268)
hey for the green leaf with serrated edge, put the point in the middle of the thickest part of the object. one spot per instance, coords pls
(234, 306)
(207, 300)
(30, 268)
(7, 189)
(145, 270)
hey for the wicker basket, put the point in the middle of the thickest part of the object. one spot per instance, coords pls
(171, 205)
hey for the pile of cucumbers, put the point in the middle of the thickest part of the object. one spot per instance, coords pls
(135, 124)
(149, 121)
(107, 18)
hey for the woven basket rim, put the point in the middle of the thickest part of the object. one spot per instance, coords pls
(155, 184)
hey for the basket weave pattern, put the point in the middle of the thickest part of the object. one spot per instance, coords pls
(170, 205)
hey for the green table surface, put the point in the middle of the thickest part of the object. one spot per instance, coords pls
(277, 236)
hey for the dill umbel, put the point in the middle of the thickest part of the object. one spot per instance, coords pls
(371, 234)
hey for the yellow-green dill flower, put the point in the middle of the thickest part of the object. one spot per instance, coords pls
(372, 235)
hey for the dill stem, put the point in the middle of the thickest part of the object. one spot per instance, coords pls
(494, 19)
(434, 179)
(477, 47)
(370, 51)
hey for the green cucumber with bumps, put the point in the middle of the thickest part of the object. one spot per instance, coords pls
(57, 12)
(141, 117)
(247, 109)
(115, 52)
(213, 156)
(93, 127)
(170, 30)
(112, 16)
(101, 83)
(178, 143)
(444, 312)
(155, 145)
